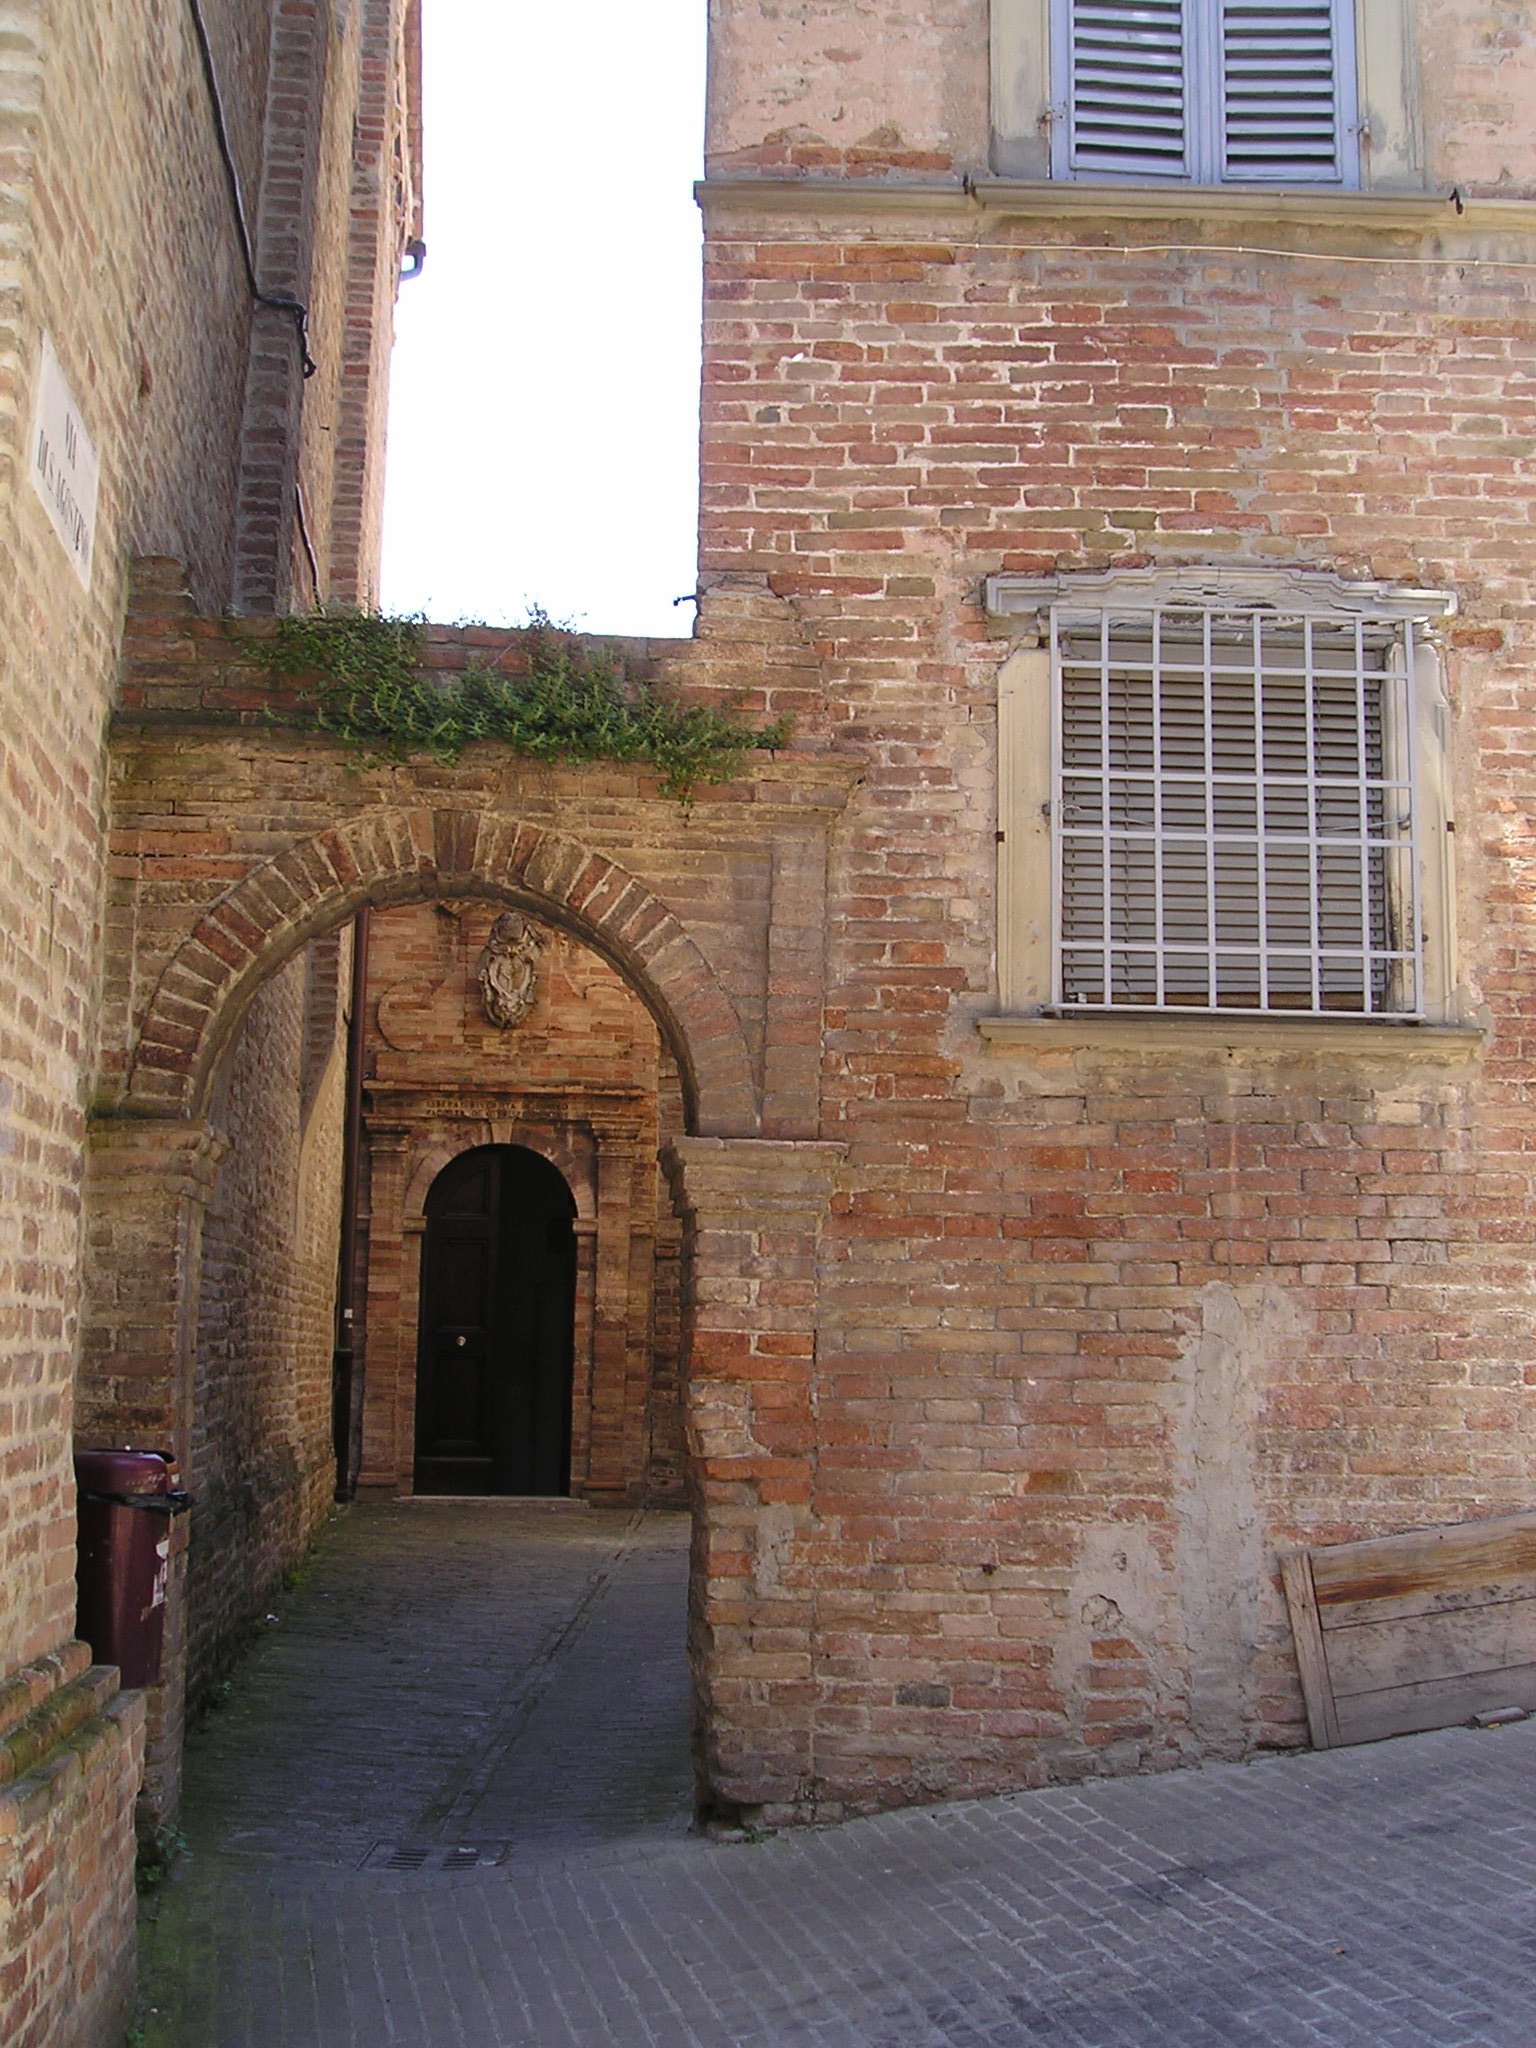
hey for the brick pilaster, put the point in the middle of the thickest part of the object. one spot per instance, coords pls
(389, 1376)
(752, 1211)
(619, 1336)
(797, 937)
(148, 1181)
(285, 235)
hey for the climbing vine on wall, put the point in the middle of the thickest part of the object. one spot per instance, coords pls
(569, 703)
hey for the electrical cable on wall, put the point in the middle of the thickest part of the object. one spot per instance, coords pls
(280, 302)
(308, 546)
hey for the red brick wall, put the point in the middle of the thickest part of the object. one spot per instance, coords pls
(121, 245)
(428, 1025)
(1100, 1325)
(260, 1467)
(993, 1465)
(73, 1753)
(80, 96)
(1101, 1328)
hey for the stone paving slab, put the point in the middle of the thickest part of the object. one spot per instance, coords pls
(1375, 1896)
(418, 1688)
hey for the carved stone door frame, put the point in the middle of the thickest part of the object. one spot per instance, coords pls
(603, 1143)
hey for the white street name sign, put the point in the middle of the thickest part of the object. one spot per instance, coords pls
(63, 465)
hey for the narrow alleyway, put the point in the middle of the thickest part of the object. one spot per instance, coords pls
(454, 1676)
(446, 1805)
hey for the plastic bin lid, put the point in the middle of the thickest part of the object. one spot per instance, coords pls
(123, 1471)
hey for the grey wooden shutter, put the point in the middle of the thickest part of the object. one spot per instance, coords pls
(1282, 77)
(1213, 91)
(1127, 88)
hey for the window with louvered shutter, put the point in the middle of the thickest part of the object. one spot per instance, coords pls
(1234, 812)
(1282, 120)
(1129, 99)
(1212, 91)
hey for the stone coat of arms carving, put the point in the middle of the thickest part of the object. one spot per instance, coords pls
(508, 969)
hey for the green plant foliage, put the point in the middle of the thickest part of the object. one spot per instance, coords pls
(569, 704)
(155, 1857)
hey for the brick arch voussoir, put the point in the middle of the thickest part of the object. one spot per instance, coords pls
(406, 855)
(437, 1156)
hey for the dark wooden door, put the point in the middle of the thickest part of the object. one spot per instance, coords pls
(498, 1290)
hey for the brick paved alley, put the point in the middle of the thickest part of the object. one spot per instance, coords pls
(446, 1805)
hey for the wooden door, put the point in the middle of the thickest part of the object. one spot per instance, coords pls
(493, 1366)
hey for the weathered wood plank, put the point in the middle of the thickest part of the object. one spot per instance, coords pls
(1426, 1561)
(1317, 1691)
(1409, 1606)
(1430, 1649)
(1409, 1709)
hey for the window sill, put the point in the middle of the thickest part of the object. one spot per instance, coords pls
(1162, 1031)
(1254, 206)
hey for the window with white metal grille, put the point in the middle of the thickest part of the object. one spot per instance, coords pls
(1234, 810)
(1212, 91)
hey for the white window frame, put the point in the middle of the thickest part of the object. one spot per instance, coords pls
(1038, 614)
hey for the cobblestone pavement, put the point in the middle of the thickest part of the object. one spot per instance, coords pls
(446, 1807)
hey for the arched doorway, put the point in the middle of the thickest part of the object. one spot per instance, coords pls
(494, 1353)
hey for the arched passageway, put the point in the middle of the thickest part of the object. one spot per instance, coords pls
(695, 1288)
(494, 1350)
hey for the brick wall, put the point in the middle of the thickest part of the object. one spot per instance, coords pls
(71, 1750)
(992, 1465)
(101, 134)
(121, 246)
(714, 918)
(72, 87)
(260, 1465)
(1106, 1323)
(913, 92)
(428, 1025)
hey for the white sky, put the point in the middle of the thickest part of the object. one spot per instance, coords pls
(543, 425)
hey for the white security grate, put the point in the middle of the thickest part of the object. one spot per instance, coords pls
(1234, 813)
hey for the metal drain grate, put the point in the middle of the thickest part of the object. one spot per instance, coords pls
(431, 1856)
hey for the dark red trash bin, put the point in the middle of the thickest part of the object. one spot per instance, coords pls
(125, 1501)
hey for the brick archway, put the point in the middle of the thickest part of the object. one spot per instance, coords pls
(235, 844)
(398, 855)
